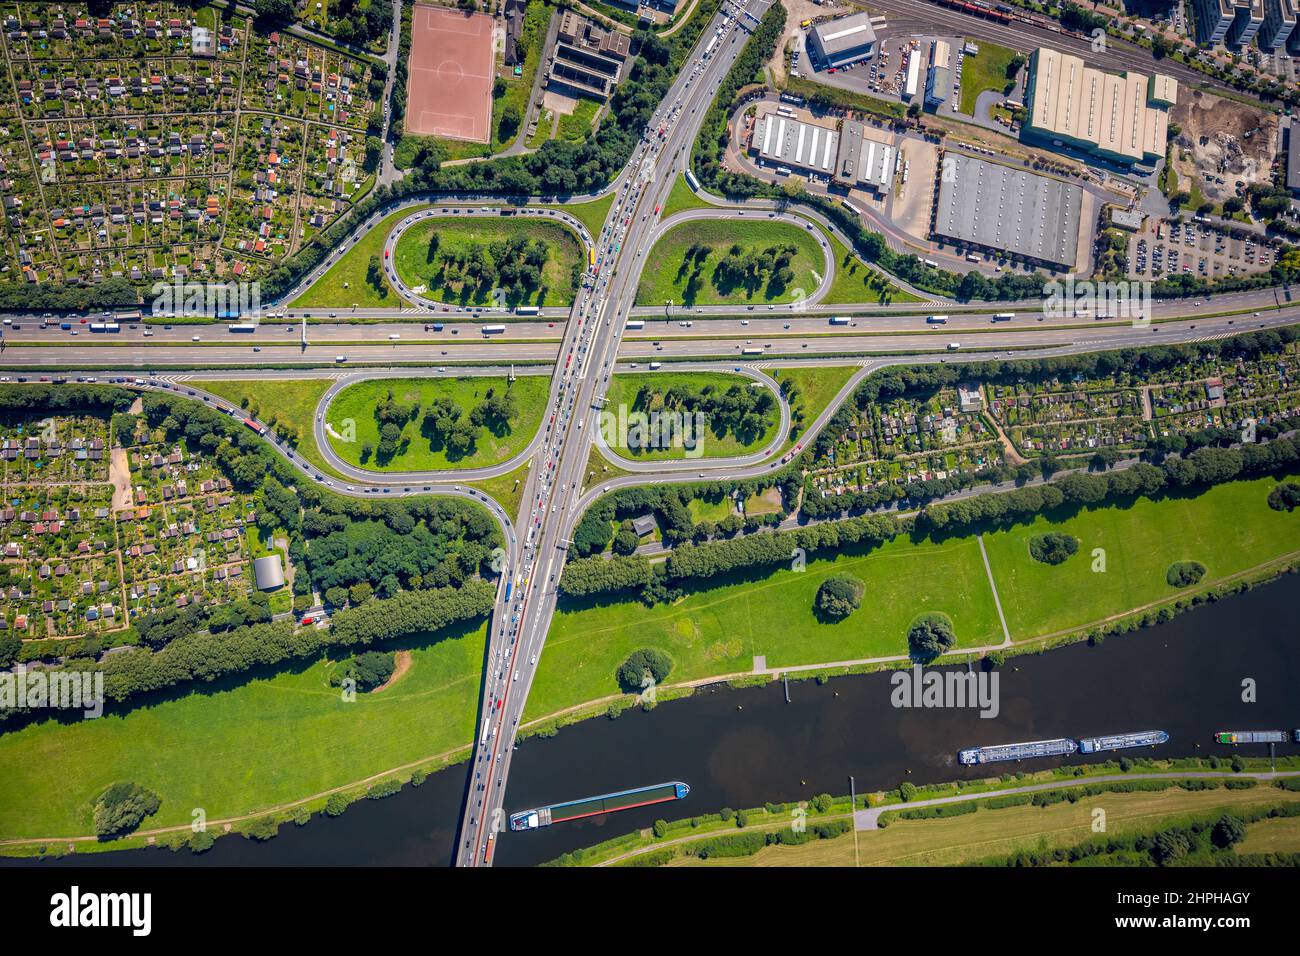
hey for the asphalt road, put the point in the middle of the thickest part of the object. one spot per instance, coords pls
(580, 351)
(551, 502)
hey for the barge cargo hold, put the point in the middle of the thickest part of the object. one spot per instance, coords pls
(1251, 737)
(1141, 738)
(592, 806)
(1059, 747)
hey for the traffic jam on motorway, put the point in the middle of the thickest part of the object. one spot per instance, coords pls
(590, 308)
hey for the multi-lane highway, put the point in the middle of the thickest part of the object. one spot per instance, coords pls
(580, 348)
(551, 504)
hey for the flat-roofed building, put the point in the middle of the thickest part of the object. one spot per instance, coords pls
(588, 59)
(862, 161)
(1249, 18)
(786, 141)
(666, 6)
(1280, 20)
(1008, 210)
(843, 39)
(1214, 18)
(938, 79)
(1124, 118)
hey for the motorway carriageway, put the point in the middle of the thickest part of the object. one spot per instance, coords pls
(104, 352)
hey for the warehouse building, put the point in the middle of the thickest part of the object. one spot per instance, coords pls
(843, 40)
(1006, 210)
(1123, 118)
(863, 162)
(785, 141)
(938, 80)
(1279, 26)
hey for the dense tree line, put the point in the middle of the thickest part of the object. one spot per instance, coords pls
(1204, 466)
(692, 561)
(586, 577)
(205, 657)
(669, 505)
(711, 144)
(411, 612)
(159, 628)
(20, 403)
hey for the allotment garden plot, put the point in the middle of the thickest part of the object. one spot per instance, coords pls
(175, 143)
(1123, 412)
(87, 546)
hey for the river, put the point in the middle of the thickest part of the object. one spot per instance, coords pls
(740, 748)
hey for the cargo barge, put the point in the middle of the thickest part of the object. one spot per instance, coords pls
(1141, 738)
(592, 806)
(1251, 737)
(1059, 747)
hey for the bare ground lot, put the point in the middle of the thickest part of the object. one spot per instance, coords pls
(1222, 139)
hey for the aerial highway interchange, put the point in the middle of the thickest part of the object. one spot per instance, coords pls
(579, 348)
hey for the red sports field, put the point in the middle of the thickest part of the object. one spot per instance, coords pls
(449, 92)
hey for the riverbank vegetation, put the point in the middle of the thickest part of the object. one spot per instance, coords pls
(1035, 828)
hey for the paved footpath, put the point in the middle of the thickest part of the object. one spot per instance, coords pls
(869, 819)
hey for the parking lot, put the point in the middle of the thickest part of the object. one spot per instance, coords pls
(1171, 247)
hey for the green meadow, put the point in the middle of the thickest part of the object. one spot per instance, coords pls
(250, 746)
(357, 403)
(1229, 529)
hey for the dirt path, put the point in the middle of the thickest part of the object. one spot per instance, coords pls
(119, 473)
(403, 665)
(1013, 457)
